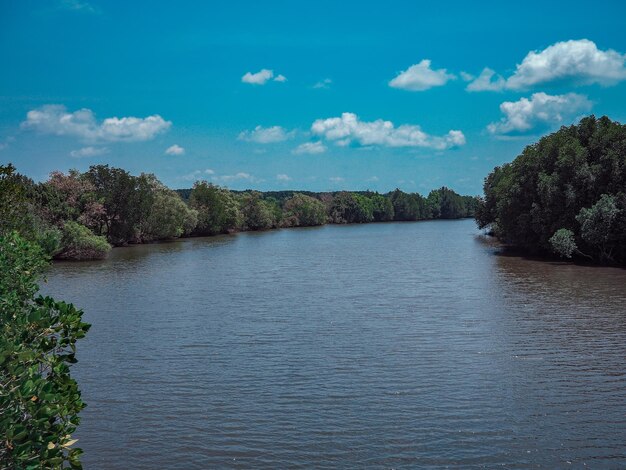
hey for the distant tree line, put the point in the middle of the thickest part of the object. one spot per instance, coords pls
(566, 194)
(81, 215)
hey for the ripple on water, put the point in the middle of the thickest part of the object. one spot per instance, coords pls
(381, 345)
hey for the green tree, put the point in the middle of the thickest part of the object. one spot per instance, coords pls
(348, 208)
(382, 208)
(257, 213)
(596, 224)
(301, 210)
(123, 198)
(218, 210)
(167, 216)
(408, 207)
(16, 212)
(573, 179)
(39, 400)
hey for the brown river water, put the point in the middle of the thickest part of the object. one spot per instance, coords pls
(396, 345)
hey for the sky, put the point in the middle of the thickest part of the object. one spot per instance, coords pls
(318, 96)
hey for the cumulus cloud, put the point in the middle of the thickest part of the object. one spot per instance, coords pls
(259, 78)
(262, 77)
(197, 174)
(87, 152)
(420, 77)
(310, 148)
(349, 129)
(336, 179)
(266, 135)
(283, 177)
(324, 84)
(540, 111)
(576, 62)
(79, 6)
(175, 150)
(486, 81)
(236, 177)
(56, 120)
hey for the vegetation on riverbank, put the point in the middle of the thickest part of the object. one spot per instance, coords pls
(39, 400)
(81, 215)
(566, 194)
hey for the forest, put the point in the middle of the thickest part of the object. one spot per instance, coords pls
(564, 195)
(80, 216)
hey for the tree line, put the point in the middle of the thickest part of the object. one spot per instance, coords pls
(81, 215)
(565, 194)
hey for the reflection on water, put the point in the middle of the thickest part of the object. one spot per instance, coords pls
(380, 345)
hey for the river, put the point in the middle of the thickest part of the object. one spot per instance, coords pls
(395, 345)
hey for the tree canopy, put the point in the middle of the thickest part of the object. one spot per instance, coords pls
(565, 194)
(79, 216)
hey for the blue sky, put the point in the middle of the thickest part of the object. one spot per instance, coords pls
(305, 95)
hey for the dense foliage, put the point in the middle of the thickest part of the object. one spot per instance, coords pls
(79, 215)
(301, 210)
(565, 194)
(39, 401)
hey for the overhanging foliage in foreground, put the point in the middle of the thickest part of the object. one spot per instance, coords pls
(39, 400)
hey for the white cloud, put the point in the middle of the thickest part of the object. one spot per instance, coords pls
(237, 176)
(259, 78)
(324, 84)
(336, 179)
(56, 120)
(575, 62)
(420, 77)
(265, 135)
(175, 150)
(262, 77)
(581, 61)
(348, 128)
(486, 81)
(86, 152)
(77, 5)
(540, 111)
(283, 177)
(310, 148)
(373, 179)
(197, 175)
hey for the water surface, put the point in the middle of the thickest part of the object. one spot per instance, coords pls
(381, 345)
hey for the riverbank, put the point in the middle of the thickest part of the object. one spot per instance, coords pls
(81, 216)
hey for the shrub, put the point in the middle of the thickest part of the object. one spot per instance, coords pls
(79, 243)
(563, 243)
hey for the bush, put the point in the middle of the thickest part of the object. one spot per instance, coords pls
(39, 401)
(79, 243)
(563, 243)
